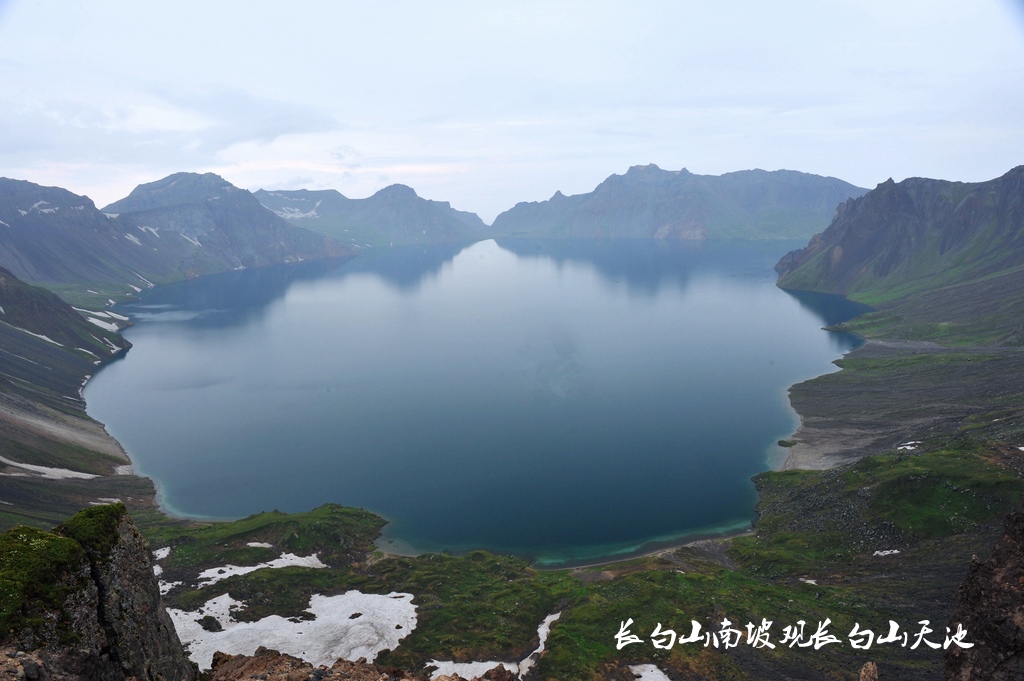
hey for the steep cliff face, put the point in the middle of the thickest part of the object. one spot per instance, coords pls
(990, 605)
(84, 600)
(902, 238)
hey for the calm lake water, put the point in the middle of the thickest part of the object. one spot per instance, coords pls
(561, 400)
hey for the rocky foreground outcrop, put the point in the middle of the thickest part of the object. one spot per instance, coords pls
(270, 665)
(990, 605)
(82, 602)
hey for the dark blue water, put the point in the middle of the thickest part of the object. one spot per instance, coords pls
(561, 400)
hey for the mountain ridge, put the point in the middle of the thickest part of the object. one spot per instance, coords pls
(945, 260)
(54, 238)
(394, 215)
(649, 202)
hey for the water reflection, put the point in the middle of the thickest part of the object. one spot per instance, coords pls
(562, 401)
(645, 266)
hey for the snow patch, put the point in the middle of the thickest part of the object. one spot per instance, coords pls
(134, 239)
(112, 215)
(648, 672)
(145, 228)
(260, 545)
(147, 282)
(194, 242)
(214, 575)
(47, 472)
(162, 553)
(4, 223)
(124, 470)
(909, 446)
(157, 570)
(12, 354)
(335, 632)
(88, 352)
(468, 670)
(887, 552)
(165, 587)
(39, 335)
(23, 212)
(109, 326)
(289, 213)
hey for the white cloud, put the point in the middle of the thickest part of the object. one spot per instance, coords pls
(487, 104)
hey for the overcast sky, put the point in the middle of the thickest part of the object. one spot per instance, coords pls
(485, 104)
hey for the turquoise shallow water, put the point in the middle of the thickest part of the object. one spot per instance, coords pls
(562, 400)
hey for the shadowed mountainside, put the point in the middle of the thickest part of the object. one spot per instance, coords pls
(648, 202)
(182, 226)
(393, 216)
(943, 260)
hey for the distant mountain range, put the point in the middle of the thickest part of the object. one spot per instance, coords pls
(182, 226)
(648, 202)
(945, 259)
(188, 224)
(393, 216)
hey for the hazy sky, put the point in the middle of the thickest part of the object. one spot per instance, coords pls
(485, 104)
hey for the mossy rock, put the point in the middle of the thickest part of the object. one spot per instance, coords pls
(37, 570)
(95, 529)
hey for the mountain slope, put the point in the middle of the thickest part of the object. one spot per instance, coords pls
(215, 226)
(946, 257)
(46, 346)
(648, 202)
(185, 225)
(394, 215)
(53, 237)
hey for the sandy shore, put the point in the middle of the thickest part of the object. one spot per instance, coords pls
(841, 419)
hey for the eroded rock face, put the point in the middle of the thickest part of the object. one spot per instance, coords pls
(270, 665)
(89, 603)
(990, 605)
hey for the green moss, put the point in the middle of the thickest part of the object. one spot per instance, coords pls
(35, 575)
(936, 493)
(95, 529)
(337, 533)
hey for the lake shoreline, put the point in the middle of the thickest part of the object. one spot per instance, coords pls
(842, 419)
(548, 398)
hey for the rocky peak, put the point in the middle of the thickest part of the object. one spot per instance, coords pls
(84, 601)
(990, 605)
(174, 190)
(27, 198)
(396, 192)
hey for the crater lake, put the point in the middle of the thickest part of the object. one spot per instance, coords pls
(567, 401)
